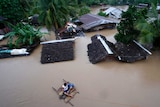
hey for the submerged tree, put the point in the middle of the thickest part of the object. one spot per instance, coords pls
(126, 30)
(141, 25)
(53, 12)
(57, 12)
(150, 28)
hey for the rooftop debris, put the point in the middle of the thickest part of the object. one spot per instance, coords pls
(70, 30)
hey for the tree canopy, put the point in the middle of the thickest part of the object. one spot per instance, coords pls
(142, 25)
(15, 10)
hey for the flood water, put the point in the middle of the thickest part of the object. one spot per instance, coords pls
(25, 82)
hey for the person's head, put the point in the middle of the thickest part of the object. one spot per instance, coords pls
(65, 84)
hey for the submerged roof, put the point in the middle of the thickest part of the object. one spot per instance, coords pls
(115, 12)
(91, 20)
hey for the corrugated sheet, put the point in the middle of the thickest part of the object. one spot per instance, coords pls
(90, 20)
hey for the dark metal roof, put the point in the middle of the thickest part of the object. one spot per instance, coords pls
(91, 20)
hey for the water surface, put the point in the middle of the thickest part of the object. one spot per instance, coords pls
(25, 82)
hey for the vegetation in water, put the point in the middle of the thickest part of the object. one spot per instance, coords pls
(23, 35)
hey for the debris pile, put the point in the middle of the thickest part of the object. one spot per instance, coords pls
(69, 31)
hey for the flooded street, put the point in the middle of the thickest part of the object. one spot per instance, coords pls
(25, 82)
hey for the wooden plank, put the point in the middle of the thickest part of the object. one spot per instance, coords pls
(67, 99)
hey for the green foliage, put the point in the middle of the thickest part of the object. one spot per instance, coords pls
(14, 10)
(142, 25)
(73, 8)
(84, 10)
(22, 34)
(112, 2)
(35, 9)
(150, 28)
(57, 12)
(126, 30)
(146, 31)
(89, 2)
(101, 14)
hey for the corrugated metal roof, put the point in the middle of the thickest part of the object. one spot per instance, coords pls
(113, 12)
(91, 20)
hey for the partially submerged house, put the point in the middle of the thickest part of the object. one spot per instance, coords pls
(113, 12)
(91, 22)
(57, 51)
(100, 49)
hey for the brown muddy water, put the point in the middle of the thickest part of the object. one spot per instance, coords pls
(25, 82)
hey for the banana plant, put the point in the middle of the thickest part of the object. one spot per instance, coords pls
(23, 35)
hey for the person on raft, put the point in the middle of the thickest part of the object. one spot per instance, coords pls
(68, 88)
